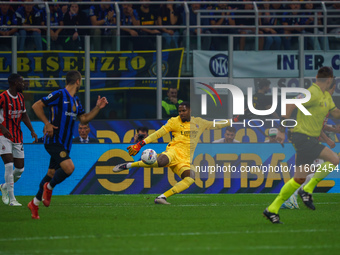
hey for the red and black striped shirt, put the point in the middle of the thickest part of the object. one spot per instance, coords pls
(11, 110)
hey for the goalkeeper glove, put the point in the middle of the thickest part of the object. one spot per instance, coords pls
(134, 149)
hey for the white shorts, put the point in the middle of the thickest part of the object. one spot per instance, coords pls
(8, 147)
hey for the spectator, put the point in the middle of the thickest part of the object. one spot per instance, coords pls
(245, 22)
(7, 17)
(273, 42)
(276, 10)
(101, 15)
(169, 14)
(147, 17)
(56, 20)
(334, 20)
(63, 7)
(74, 37)
(129, 37)
(221, 43)
(142, 132)
(41, 6)
(206, 40)
(333, 24)
(229, 136)
(271, 136)
(15, 7)
(313, 42)
(170, 103)
(291, 23)
(83, 137)
(29, 15)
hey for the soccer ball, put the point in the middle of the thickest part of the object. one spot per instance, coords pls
(149, 156)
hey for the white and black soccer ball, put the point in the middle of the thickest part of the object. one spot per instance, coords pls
(149, 156)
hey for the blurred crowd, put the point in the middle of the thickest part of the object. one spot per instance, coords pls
(235, 17)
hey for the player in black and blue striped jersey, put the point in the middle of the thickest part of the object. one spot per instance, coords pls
(64, 108)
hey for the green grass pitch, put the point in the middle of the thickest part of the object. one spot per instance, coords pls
(192, 224)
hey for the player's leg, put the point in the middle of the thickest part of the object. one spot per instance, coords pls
(47, 178)
(307, 150)
(331, 161)
(317, 163)
(272, 211)
(7, 188)
(181, 167)
(188, 178)
(6, 151)
(19, 160)
(289, 188)
(291, 202)
(63, 166)
(64, 171)
(34, 204)
(162, 161)
(18, 168)
(16, 159)
(16, 174)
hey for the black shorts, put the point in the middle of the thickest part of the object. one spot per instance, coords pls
(307, 148)
(58, 154)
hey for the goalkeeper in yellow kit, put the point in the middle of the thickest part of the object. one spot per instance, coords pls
(186, 131)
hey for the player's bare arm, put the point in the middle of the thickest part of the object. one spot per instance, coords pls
(38, 108)
(5, 132)
(326, 139)
(27, 121)
(336, 113)
(330, 128)
(87, 117)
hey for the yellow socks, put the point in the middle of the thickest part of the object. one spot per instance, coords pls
(287, 190)
(179, 187)
(320, 173)
(142, 164)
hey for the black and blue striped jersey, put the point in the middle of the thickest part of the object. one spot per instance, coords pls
(64, 110)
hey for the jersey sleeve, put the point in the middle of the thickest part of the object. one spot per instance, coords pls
(169, 126)
(2, 99)
(81, 110)
(156, 135)
(332, 105)
(314, 97)
(24, 110)
(23, 103)
(52, 99)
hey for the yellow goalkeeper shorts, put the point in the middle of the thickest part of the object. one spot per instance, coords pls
(177, 163)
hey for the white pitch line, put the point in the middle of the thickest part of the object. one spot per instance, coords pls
(15, 239)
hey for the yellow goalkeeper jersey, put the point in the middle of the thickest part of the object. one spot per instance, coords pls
(185, 135)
